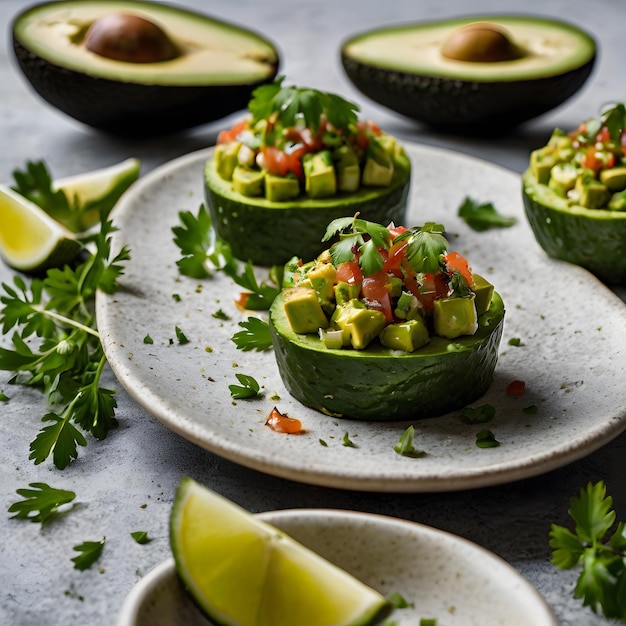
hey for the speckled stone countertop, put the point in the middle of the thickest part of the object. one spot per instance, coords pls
(127, 481)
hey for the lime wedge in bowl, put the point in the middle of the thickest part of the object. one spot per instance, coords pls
(242, 571)
(30, 240)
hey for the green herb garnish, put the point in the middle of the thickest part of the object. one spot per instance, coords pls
(248, 388)
(180, 335)
(41, 502)
(254, 336)
(347, 442)
(140, 536)
(90, 552)
(291, 105)
(67, 361)
(479, 414)
(486, 439)
(483, 216)
(600, 552)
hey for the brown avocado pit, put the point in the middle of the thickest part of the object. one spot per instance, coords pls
(129, 38)
(480, 42)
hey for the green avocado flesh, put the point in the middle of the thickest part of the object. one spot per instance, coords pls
(380, 384)
(216, 68)
(592, 238)
(402, 67)
(270, 233)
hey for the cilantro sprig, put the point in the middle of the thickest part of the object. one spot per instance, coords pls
(598, 545)
(254, 336)
(205, 252)
(288, 105)
(613, 117)
(41, 502)
(248, 388)
(56, 348)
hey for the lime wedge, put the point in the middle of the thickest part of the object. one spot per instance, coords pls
(244, 572)
(30, 240)
(98, 191)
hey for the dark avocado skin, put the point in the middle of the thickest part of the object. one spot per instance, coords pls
(271, 233)
(378, 384)
(593, 239)
(130, 109)
(465, 107)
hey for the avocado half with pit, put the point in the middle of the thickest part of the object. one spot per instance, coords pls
(130, 67)
(270, 233)
(471, 74)
(592, 238)
(380, 384)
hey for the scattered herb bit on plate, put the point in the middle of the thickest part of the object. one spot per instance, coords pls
(479, 414)
(90, 552)
(249, 388)
(483, 216)
(486, 439)
(405, 447)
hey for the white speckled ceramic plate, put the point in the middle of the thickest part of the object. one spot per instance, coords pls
(571, 357)
(443, 576)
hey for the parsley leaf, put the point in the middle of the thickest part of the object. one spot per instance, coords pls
(254, 336)
(90, 552)
(486, 439)
(405, 447)
(249, 388)
(483, 216)
(288, 105)
(602, 555)
(140, 536)
(41, 502)
(426, 247)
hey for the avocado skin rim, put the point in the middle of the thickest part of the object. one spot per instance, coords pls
(594, 239)
(382, 385)
(131, 109)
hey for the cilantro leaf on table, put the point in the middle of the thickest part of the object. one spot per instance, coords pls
(598, 546)
(248, 388)
(40, 502)
(90, 552)
(56, 348)
(483, 216)
(254, 336)
(290, 104)
(405, 446)
(141, 537)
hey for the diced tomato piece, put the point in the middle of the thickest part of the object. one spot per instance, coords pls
(375, 286)
(382, 304)
(226, 136)
(591, 161)
(394, 231)
(395, 255)
(349, 272)
(604, 136)
(282, 423)
(280, 163)
(516, 388)
(458, 262)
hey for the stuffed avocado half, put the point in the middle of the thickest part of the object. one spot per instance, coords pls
(301, 159)
(575, 195)
(387, 324)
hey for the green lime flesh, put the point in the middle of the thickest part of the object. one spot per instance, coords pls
(592, 238)
(270, 233)
(379, 384)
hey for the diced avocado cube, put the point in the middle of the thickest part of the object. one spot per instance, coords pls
(323, 277)
(320, 179)
(614, 178)
(454, 317)
(483, 291)
(563, 178)
(280, 188)
(304, 311)
(618, 201)
(359, 324)
(395, 286)
(346, 291)
(541, 163)
(248, 182)
(225, 156)
(407, 336)
(561, 146)
(347, 168)
(379, 167)
(591, 193)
